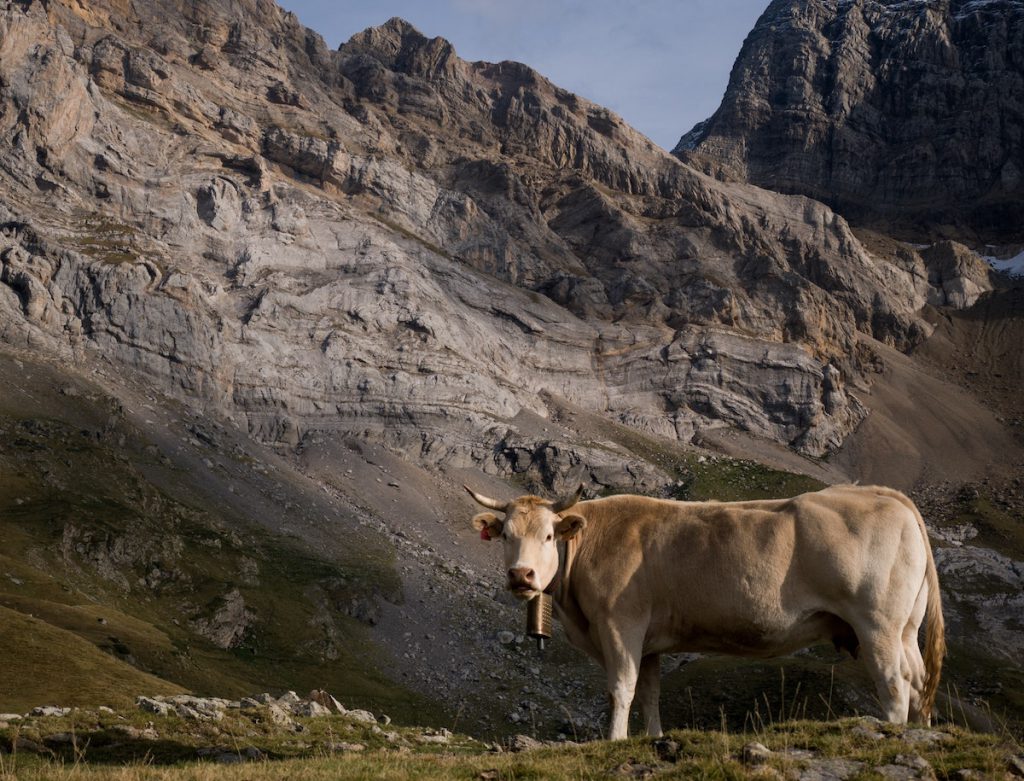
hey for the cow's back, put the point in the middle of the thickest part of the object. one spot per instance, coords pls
(741, 572)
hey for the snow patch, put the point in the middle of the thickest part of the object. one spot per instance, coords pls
(905, 5)
(964, 10)
(1013, 266)
(690, 140)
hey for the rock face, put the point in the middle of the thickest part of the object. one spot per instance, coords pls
(957, 276)
(990, 589)
(899, 115)
(229, 623)
(391, 243)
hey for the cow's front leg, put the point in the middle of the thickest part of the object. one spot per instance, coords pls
(648, 691)
(621, 647)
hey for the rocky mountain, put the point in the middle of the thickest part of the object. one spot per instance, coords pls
(390, 242)
(903, 116)
(265, 305)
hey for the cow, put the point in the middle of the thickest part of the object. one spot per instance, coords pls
(634, 577)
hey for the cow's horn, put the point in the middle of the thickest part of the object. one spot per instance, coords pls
(565, 504)
(490, 504)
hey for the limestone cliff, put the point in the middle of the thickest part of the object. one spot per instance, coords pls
(389, 242)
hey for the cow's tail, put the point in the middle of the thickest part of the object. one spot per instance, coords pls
(935, 635)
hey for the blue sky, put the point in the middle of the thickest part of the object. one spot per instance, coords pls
(660, 64)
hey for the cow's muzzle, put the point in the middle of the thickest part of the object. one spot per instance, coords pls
(522, 581)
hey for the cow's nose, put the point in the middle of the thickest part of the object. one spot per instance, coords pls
(520, 576)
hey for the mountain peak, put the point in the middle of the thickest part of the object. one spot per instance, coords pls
(401, 26)
(900, 115)
(399, 46)
(396, 31)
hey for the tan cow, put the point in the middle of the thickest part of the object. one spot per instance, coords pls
(638, 577)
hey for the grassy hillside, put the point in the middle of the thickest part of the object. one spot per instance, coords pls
(44, 663)
(142, 580)
(142, 560)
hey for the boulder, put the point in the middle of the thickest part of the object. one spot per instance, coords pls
(49, 711)
(322, 697)
(337, 747)
(309, 709)
(363, 716)
(279, 715)
(151, 705)
(519, 743)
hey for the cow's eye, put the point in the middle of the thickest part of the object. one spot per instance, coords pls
(549, 538)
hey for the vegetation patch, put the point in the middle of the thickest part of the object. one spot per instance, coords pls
(998, 528)
(708, 477)
(729, 480)
(104, 239)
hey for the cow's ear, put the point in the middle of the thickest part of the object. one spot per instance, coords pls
(488, 525)
(569, 526)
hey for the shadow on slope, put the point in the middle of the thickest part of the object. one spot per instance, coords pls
(175, 555)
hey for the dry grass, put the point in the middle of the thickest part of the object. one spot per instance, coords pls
(40, 659)
(714, 754)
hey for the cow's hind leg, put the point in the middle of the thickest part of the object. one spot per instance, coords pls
(914, 661)
(887, 665)
(621, 646)
(648, 691)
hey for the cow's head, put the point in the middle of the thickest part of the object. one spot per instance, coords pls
(530, 529)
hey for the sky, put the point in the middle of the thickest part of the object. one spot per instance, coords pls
(662, 65)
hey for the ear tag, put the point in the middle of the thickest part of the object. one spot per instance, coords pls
(484, 534)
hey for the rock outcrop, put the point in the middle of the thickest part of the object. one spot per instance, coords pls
(905, 116)
(957, 276)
